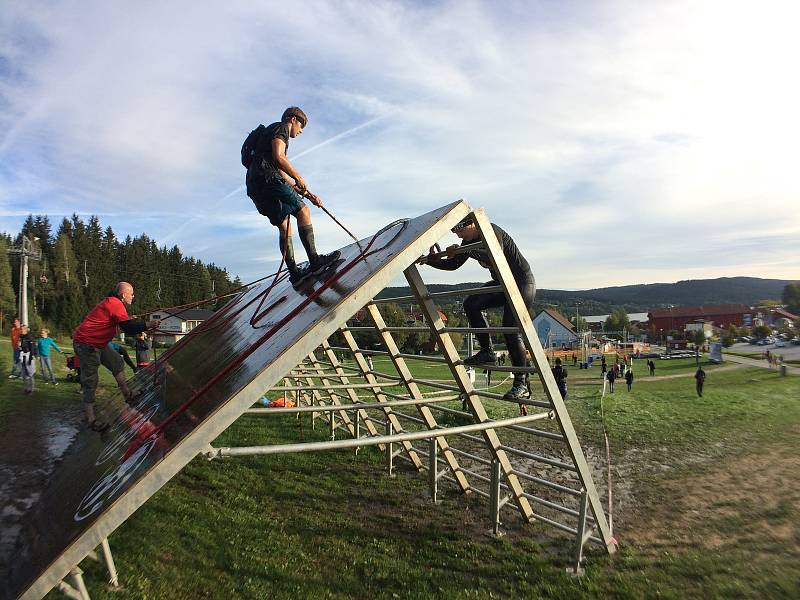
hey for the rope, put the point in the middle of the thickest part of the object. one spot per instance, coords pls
(264, 338)
(608, 464)
(306, 194)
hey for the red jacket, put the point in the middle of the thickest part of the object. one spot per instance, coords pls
(102, 323)
(15, 333)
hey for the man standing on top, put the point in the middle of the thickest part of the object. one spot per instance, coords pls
(91, 343)
(277, 189)
(474, 304)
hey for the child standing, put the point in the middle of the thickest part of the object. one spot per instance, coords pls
(44, 343)
(27, 350)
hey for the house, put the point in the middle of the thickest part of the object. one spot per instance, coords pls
(176, 324)
(773, 316)
(555, 330)
(678, 317)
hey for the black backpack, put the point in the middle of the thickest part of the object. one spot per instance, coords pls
(250, 148)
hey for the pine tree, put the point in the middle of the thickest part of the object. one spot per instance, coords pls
(71, 306)
(8, 300)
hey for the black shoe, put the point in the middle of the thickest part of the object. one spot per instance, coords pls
(517, 392)
(98, 426)
(484, 357)
(323, 261)
(297, 276)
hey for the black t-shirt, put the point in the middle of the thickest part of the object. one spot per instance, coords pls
(560, 374)
(519, 266)
(276, 130)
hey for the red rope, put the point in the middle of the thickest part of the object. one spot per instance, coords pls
(263, 339)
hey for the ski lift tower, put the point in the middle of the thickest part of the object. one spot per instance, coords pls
(26, 250)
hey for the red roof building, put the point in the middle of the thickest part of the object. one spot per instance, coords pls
(722, 315)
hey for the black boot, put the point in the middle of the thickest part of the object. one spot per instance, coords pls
(298, 275)
(320, 262)
(483, 357)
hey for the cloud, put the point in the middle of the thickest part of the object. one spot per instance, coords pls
(606, 138)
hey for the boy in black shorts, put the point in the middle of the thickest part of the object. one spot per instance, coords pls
(277, 189)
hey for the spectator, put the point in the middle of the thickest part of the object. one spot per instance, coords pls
(603, 366)
(123, 352)
(560, 374)
(700, 379)
(27, 352)
(652, 365)
(43, 344)
(629, 378)
(574, 359)
(611, 377)
(16, 366)
(90, 341)
(142, 346)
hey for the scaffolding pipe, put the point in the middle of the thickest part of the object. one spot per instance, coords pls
(338, 407)
(372, 441)
(489, 289)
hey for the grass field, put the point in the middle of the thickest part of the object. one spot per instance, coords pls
(706, 506)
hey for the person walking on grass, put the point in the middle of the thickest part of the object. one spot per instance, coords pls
(475, 304)
(43, 345)
(629, 379)
(90, 341)
(16, 366)
(560, 374)
(611, 377)
(700, 379)
(276, 188)
(27, 353)
(651, 364)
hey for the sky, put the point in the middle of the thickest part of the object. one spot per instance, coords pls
(617, 142)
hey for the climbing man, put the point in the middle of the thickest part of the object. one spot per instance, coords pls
(475, 304)
(91, 343)
(277, 189)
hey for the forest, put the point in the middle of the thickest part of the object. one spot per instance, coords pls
(80, 263)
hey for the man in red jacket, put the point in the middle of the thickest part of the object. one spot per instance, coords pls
(16, 366)
(90, 341)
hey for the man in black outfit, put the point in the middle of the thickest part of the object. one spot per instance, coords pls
(275, 187)
(560, 374)
(474, 304)
(700, 379)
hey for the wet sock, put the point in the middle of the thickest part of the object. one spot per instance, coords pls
(307, 237)
(287, 243)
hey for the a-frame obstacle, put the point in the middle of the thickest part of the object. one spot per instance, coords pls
(282, 339)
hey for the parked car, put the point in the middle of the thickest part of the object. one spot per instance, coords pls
(780, 344)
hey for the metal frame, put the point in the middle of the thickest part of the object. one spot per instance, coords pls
(499, 472)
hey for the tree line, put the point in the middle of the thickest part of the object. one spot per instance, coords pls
(83, 261)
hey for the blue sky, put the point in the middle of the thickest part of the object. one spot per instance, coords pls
(617, 142)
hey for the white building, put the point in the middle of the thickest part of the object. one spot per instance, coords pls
(554, 329)
(177, 324)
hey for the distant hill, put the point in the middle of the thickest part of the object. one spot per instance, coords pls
(640, 298)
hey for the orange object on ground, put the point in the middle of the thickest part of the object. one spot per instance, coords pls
(281, 403)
